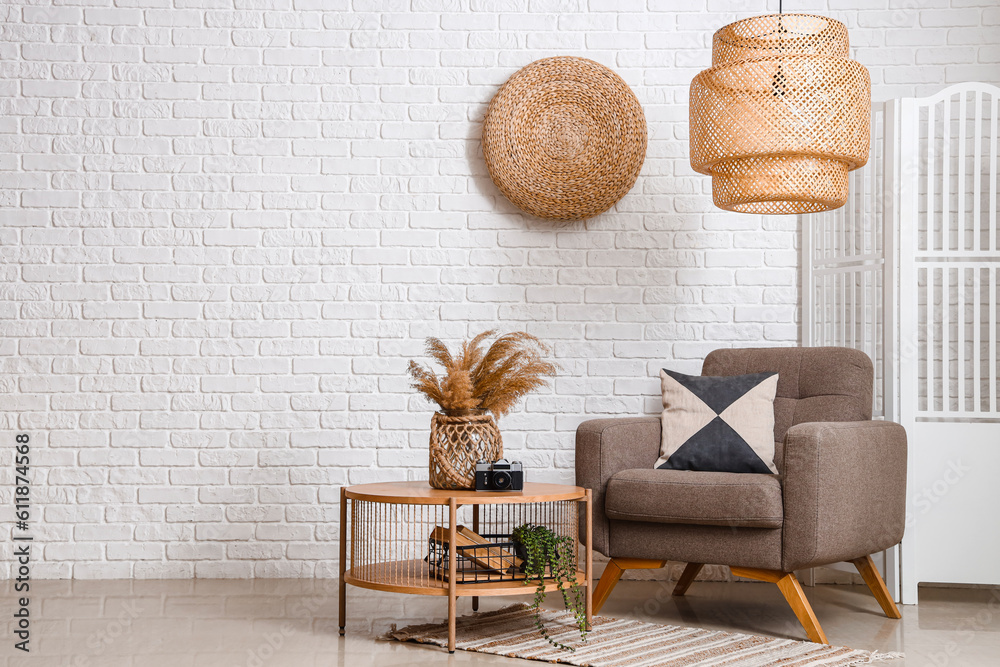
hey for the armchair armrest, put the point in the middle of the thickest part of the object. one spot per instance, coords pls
(844, 491)
(605, 447)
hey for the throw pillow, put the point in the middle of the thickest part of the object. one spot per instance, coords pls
(720, 424)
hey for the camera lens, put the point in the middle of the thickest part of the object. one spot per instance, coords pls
(501, 480)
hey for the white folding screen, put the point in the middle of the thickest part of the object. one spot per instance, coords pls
(845, 255)
(949, 189)
(948, 258)
(908, 272)
(846, 300)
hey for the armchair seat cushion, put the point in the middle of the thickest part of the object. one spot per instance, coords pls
(743, 500)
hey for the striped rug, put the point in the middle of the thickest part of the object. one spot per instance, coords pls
(620, 643)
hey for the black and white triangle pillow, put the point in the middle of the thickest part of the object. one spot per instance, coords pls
(721, 424)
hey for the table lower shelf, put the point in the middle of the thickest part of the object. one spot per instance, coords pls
(415, 578)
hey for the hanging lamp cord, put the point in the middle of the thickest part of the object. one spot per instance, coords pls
(778, 80)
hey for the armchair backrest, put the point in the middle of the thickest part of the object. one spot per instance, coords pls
(815, 384)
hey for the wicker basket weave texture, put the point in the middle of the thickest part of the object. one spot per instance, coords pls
(766, 37)
(455, 446)
(564, 138)
(782, 115)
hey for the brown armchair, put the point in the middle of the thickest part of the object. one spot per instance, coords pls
(839, 495)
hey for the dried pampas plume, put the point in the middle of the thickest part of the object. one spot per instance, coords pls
(493, 380)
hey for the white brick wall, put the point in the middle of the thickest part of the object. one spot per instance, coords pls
(227, 226)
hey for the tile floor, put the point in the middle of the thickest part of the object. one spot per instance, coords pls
(292, 623)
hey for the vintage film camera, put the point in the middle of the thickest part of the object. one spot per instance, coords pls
(502, 475)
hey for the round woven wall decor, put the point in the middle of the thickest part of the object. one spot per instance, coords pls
(564, 138)
(781, 116)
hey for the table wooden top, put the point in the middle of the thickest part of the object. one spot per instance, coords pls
(421, 493)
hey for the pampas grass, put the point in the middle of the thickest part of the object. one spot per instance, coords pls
(493, 380)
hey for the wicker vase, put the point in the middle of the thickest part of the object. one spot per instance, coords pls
(457, 442)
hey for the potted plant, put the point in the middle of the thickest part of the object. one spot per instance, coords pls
(477, 386)
(548, 556)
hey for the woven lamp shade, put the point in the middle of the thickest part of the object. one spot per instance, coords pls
(781, 116)
(564, 138)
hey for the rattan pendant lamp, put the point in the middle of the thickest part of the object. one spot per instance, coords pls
(781, 116)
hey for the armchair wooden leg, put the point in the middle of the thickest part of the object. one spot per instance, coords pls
(613, 573)
(877, 586)
(691, 571)
(794, 595)
(792, 590)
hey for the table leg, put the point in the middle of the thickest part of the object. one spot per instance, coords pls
(343, 558)
(590, 558)
(452, 572)
(475, 529)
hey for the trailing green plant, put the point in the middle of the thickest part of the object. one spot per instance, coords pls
(553, 556)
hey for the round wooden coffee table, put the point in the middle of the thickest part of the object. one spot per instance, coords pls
(397, 537)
